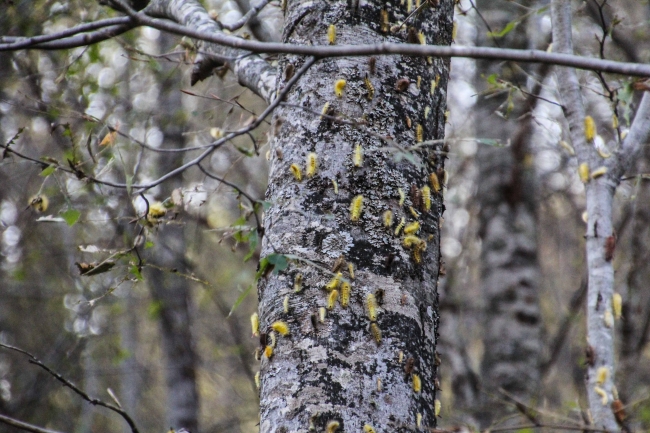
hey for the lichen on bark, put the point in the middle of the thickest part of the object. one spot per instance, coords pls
(337, 370)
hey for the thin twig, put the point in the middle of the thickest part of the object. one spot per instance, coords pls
(254, 10)
(563, 329)
(254, 203)
(74, 388)
(25, 426)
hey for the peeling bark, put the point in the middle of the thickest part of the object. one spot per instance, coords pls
(332, 371)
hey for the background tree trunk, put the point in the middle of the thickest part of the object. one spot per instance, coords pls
(507, 197)
(335, 370)
(172, 293)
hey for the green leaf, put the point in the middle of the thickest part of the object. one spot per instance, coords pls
(507, 29)
(136, 272)
(129, 183)
(625, 96)
(154, 308)
(492, 79)
(48, 171)
(252, 242)
(148, 245)
(71, 216)
(245, 151)
(279, 261)
(489, 142)
(241, 298)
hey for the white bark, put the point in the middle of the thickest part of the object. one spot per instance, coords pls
(251, 71)
(599, 193)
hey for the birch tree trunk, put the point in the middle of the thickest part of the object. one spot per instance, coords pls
(335, 370)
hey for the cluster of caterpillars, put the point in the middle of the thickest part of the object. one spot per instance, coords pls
(421, 198)
(339, 287)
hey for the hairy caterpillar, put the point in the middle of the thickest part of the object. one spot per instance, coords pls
(339, 86)
(357, 157)
(295, 170)
(376, 332)
(312, 164)
(417, 383)
(331, 34)
(280, 327)
(371, 304)
(369, 87)
(345, 294)
(331, 299)
(355, 208)
(388, 218)
(399, 227)
(426, 198)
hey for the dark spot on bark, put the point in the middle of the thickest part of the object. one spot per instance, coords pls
(362, 253)
(526, 318)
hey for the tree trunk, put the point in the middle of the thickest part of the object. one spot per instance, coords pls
(337, 370)
(173, 292)
(508, 228)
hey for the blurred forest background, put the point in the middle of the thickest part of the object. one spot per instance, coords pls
(176, 330)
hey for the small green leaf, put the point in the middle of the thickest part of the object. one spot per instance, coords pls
(241, 298)
(148, 245)
(136, 272)
(279, 261)
(129, 182)
(252, 242)
(492, 79)
(266, 205)
(489, 142)
(245, 151)
(154, 308)
(71, 216)
(507, 29)
(48, 171)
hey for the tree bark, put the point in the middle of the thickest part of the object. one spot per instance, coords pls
(336, 371)
(508, 226)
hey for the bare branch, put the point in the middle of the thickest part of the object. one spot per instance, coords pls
(563, 329)
(244, 20)
(30, 42)
(24, 426)
(210, 148)
(253, 202)
(636, 138)
(66, 382)
(323, 51)
(215, 36)
(79, 40)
